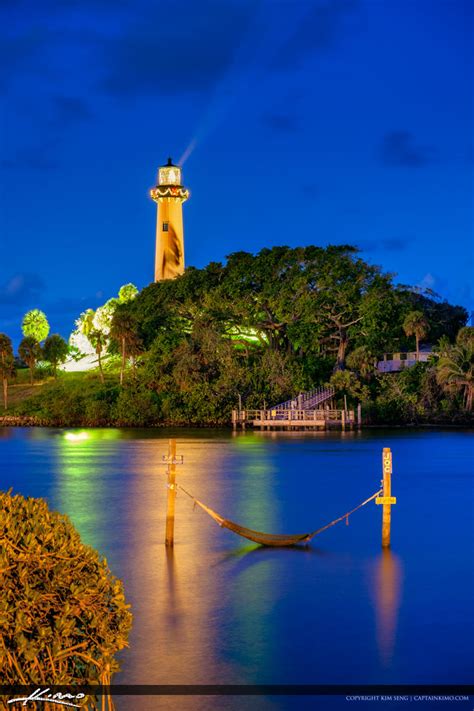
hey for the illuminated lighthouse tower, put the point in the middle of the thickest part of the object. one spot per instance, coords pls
(169, 195)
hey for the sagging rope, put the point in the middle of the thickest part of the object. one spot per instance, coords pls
(346, 515)
(270, 539)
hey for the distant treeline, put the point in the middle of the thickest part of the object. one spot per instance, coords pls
(263, 328)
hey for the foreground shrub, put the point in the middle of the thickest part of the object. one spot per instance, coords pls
(63, 614)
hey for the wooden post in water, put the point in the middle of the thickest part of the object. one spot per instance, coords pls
(169, 539)
(387, 492)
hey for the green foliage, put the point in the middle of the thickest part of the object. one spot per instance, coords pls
(30, 353)
(35, 325)
(55, 351)
(347, 383)
(103, 316)
(124, 333)
(455, 369)
(71, 400)
(6, 345)
(98, 341)
(85, 322)
(7, 365)
(127, 292)
(415, 324)
(263, 327)
(465, 336)
(362, 361)
(443, 318)
(136, 407)
(399, 399)
(63, 614)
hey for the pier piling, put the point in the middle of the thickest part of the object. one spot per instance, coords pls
(169, 539)
(387, 489)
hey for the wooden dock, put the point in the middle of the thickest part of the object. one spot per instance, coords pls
(294, 419)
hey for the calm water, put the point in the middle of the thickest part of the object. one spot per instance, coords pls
(221, 610)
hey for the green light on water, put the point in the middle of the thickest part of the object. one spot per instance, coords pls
(76, 436)
(92, 434)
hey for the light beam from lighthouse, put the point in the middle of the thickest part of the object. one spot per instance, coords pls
(169, 195)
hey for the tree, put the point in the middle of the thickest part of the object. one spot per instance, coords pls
(123, 330)
(334, 286)
(127, 293)
(103, 316)
(98, 341)
(7, 364)
(35, 325)
(455, 368)
(465, 335)
(346, 383)
(30, 352)
(79, 339)
(443, 318)
(55, 350)
(415, 324)
(362, 361)
(85, 322)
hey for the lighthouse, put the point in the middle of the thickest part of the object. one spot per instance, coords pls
(169, 195)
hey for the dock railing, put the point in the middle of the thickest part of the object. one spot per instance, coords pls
(280, 417)
(307, 400)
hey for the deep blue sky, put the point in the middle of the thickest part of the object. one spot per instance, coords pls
(313, 122)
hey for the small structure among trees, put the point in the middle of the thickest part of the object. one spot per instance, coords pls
(394, 362)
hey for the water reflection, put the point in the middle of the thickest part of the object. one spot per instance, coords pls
(248, 555)
(173, 591)
(218, 609)
(386, 582)
(178, 598)
(256, 504)
(80, 484)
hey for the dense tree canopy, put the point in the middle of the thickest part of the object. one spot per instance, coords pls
(261, 328)
(310, 301)
(265, 326)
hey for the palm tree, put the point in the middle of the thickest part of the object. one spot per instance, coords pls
(55, 351)
(455, 369)
(123, 330)
(85, 322)
(415, 324)
(30, 352)
(7, 364)
(363, 362)
(98, 341)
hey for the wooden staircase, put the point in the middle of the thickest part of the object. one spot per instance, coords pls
(310, 400)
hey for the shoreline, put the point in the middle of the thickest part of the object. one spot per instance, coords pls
(31, 421)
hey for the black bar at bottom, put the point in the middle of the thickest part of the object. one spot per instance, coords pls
(242, 690)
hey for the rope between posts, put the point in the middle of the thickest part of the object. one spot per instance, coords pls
(344, 516)
(323, 528)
